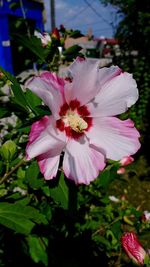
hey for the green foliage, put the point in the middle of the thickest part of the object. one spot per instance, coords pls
(20, 218)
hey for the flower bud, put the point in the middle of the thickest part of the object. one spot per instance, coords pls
(133, 248)
(55, 34)
(8, 150)
(121, 170)
(126, 161)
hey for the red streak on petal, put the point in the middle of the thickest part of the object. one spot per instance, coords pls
(89, 122)
(68, 131)
(83, 111)
(68, 79)
(60, 125)
(74, 104)
(63, 109)
(76, 135)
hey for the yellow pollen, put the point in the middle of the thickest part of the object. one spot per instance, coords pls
(75, 122)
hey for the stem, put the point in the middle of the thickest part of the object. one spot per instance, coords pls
(105, 227)
(7, 166)
(7, 174)
(25, 19)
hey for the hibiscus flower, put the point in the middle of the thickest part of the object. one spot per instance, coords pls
(83, 124)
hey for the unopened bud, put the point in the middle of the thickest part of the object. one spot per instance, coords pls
(8, 150)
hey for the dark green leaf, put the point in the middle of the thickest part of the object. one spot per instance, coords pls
(31, 176)
(33, 44)
(14, 218)
(60, 194)
(4, 112)
(37, 249)
(73, 50)
(20, 218)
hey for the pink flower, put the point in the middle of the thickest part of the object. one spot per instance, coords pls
(45, 37)
(82, 124)
(146, 216)
(133, 248)
(126, 161)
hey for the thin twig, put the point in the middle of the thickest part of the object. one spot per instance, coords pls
(6, 175)
(106, 226)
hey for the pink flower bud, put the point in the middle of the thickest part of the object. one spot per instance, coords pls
(121, 170)
(126, 161)
(133, 247)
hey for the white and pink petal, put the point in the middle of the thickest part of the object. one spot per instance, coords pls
(82, 163)
(115, 97)
(44, 138)
(49, 89)
(116, 138)
(84, 85)
(48, 165)
(87, 79)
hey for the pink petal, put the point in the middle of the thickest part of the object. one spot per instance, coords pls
(50, 89)
(115, 137)
(53, 80)
(82, 163)
(115, 97)
(48, 166)
(45, 138)
(87, 79)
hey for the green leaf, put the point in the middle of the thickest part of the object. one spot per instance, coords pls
(33, 44)
(17, 91)
(76, 34)
(20, 218)
(4, 112)
(14, 218)
(31, 176)
(60, 193)
(37, 249)
(33, 100)
(73, 50)
(107, 176)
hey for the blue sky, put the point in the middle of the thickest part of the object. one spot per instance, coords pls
(84, 15)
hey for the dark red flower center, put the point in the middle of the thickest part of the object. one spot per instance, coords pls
(75, 119)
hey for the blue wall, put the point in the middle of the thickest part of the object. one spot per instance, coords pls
(33, 11)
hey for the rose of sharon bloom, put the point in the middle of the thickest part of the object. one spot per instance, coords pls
(83, 123)
(45, 37)
(133, 248)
